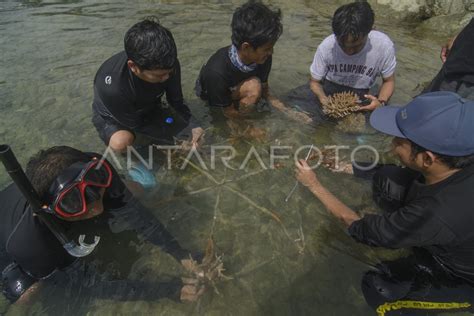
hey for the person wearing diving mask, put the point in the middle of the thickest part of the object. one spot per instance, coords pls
(83, 194)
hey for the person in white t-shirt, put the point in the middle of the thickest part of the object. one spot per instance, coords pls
(353, 57)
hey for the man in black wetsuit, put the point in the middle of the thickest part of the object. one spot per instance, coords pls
(428, 206)
(457, 73)
(83, 194)
(129, 86)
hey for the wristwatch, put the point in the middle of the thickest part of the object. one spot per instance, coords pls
(383, 102)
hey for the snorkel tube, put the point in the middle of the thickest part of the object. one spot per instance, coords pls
(21, 181)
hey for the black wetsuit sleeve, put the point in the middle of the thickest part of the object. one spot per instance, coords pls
(122, 109)
(135, 216)
(412, 225)
(174, 93)
(15, 282)
(264, 72)
(127, 213)
(119, 103)
(460, 63)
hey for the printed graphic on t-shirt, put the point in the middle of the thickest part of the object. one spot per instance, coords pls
(358, 71)
(350, 74)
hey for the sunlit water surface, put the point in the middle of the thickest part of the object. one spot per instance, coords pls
(284, 258)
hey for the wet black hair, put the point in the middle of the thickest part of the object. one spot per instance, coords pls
(44, 167)
(150, 45)
(451, 161)
(355, 19)
(255, 24)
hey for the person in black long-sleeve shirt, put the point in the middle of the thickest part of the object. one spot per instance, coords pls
(433, 139)
(129, 86)
(457, 73)
(85, 196)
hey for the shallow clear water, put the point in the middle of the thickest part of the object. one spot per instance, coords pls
(50, 53)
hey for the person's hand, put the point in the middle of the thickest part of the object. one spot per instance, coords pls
(445, 49)
(192, 290)
(444, 53)
(324, 101)
(375, 103)
(304, 174)
(198, 134)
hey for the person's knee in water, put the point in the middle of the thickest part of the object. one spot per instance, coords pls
(121, 140)
(248, 93)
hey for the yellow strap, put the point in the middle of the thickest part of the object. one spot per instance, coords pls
(382, 309)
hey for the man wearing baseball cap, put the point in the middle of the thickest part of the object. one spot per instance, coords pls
(434, 139)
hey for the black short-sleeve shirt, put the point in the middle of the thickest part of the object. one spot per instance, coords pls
(129, 100)
(460, 62)
(219, 75)
(436, 217)
(29, 243)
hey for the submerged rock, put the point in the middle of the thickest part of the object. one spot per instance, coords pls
(446, 24)
(445, 17)
(427, 8)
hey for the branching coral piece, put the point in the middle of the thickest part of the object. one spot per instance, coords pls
(341, 105)
(209, 271)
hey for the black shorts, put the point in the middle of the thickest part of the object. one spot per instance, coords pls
(155, 129)
(106, 127)
(200, 92)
